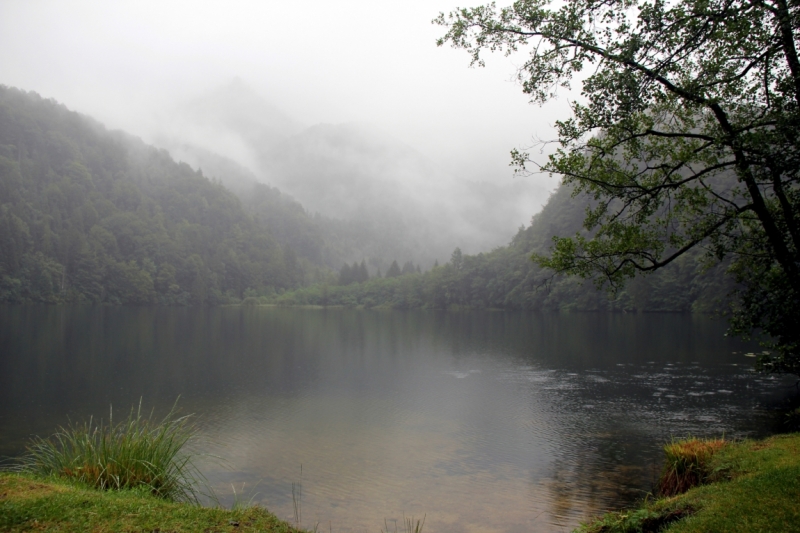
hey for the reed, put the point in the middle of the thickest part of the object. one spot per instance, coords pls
(410, 525)
(414, 526)
(297, 501)
(136, 453)
(687, 464)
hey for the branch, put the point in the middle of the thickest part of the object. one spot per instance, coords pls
(658, 264)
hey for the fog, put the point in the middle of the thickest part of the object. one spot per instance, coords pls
(251, 80)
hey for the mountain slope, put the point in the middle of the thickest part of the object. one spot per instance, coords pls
(92, 215)
(379, 199)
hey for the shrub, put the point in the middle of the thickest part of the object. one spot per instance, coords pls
(135, 453)
(687, 464)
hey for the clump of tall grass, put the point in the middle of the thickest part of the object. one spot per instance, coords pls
(135, 453)
(687, 464)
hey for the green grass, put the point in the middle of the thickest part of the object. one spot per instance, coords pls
(135, 453)
(755, 488)
(32, 503)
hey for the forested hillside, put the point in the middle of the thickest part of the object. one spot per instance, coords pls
(506, 278)
(92, 215)
(323, 239)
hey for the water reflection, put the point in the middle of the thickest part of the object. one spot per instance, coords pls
(484, 421)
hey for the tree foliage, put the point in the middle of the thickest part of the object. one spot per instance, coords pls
(686, 137)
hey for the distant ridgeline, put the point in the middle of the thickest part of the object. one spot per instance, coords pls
(506, 278)
(98, 216)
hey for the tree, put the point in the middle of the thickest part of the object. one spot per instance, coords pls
(363, 273)
(686, 136)
(345, 275)
(457, 259)
(394, 270)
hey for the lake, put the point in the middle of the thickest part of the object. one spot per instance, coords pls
(482, 421)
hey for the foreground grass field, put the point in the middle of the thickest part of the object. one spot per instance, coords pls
(28, 503)
(754, 487)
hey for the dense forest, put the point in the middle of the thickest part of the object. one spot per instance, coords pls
(98, 216)
(91, 215)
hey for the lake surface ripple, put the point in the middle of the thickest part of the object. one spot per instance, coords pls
(483, 421)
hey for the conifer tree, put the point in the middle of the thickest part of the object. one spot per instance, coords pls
(345, 275)
(394, 270)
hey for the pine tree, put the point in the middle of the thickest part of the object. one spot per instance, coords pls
(394, 270)
(345, 275)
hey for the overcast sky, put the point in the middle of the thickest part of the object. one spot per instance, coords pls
(319, 61)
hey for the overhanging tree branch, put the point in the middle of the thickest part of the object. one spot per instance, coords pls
(692, 115)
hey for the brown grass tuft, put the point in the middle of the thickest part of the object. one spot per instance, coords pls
(686, 464)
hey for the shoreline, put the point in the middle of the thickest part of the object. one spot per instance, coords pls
(755, 488)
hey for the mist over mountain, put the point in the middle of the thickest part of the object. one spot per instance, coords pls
(506, 278)
(232, 121)
(358, 175)
(234, 176)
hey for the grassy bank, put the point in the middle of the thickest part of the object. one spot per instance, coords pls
(29, 503)
(751, 486)
(133, 474)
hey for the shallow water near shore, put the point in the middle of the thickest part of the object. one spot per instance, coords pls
(483, 421)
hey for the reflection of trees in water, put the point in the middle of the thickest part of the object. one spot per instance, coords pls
(590, 340)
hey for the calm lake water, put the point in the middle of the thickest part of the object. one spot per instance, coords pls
(484, 421)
